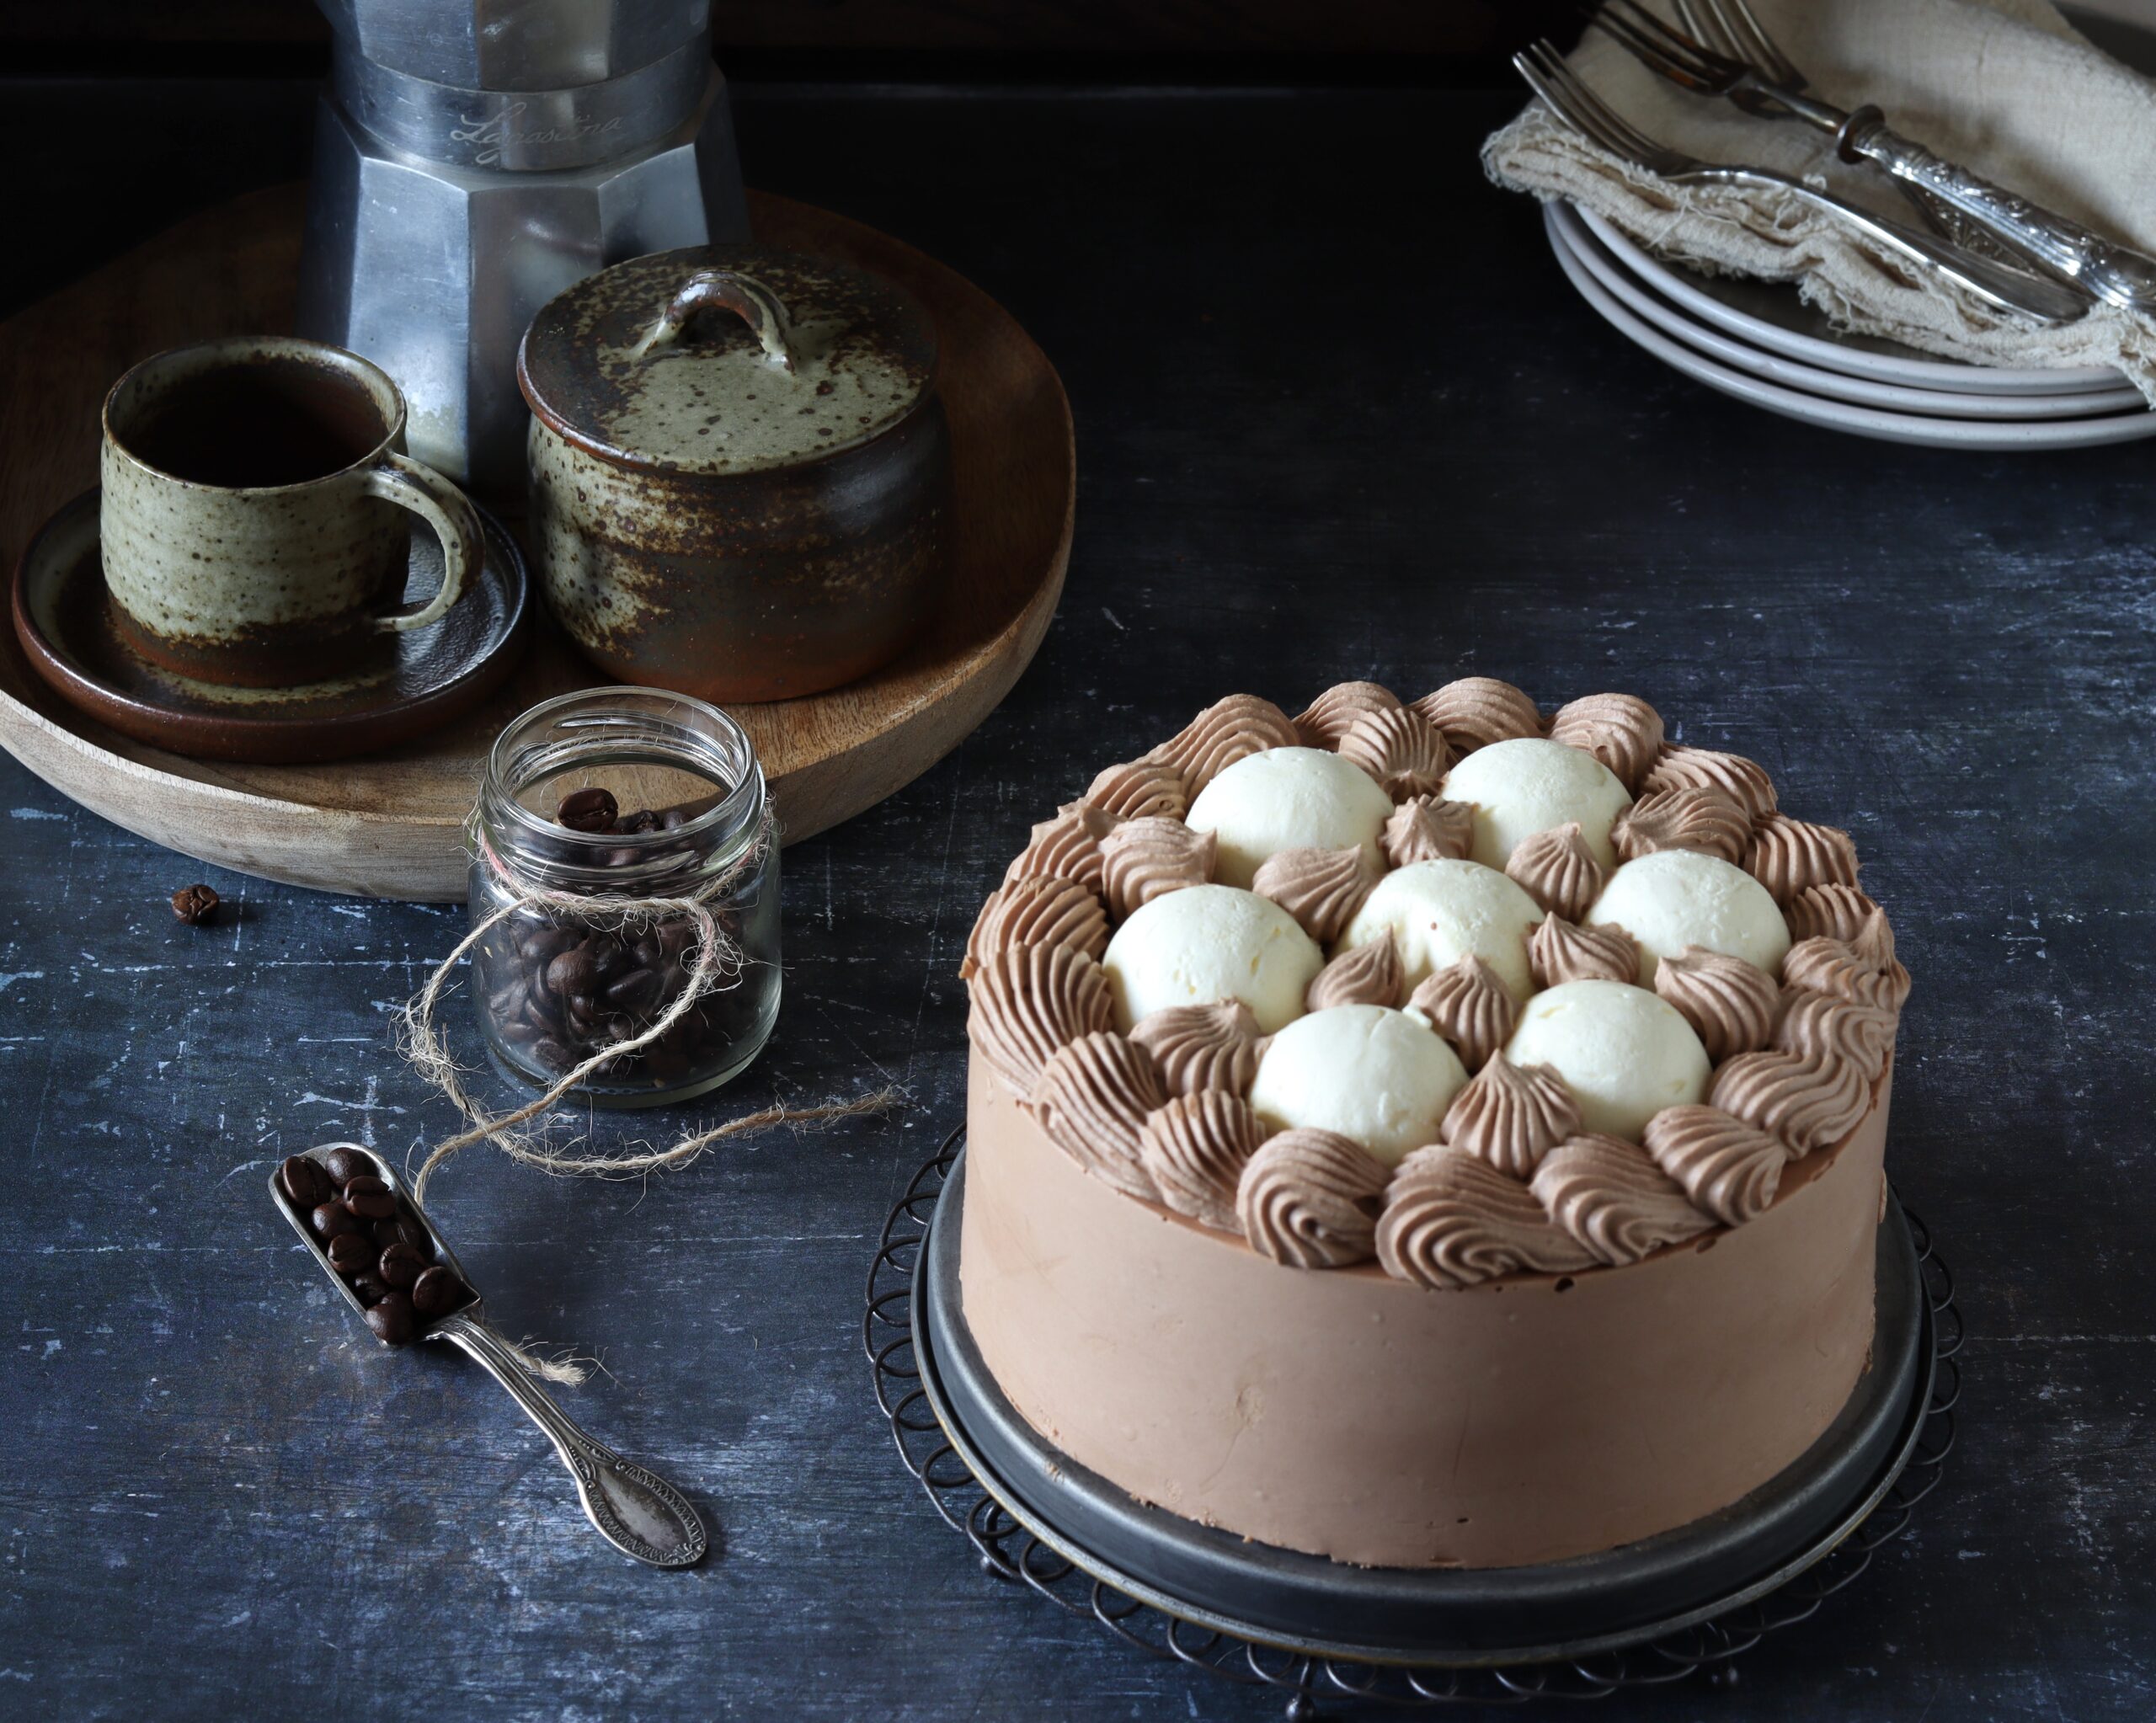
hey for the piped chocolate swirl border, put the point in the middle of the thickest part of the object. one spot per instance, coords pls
(1515, 1184)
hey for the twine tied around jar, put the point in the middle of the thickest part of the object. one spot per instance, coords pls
(717, 964)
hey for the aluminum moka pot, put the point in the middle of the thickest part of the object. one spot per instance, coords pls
(473, 158)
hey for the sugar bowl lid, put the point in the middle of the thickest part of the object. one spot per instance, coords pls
(726, 358)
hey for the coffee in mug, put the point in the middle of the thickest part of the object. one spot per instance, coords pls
(254, 511)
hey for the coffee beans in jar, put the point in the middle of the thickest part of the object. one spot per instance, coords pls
(603, 814)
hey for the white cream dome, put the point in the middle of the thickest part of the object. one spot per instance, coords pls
(1205, 943)
(1625, 1053)
(1675, 898)
(1439, 912)
(1379, 1077)
(1526, 784)
(1289, 798)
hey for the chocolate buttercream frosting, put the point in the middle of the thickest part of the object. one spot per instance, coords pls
(1829, 912)
(1704, 820)
(1819, 1024)
(1065, 847)
(1558, 871)
(1476, 711)
(1202, 1047)
(1559, 951)
(1835, 966)
(1611, 1196)
(1743, 782)
(1451, 1220)
(1471, 1007)
(1810, 1102)
(1621, 730)
(1146, 858)
(1365, 974)
(1730, 1003)
(1030, 1000)
(1832, 965)
(1194, 1148)
(1873, 942)
(1790, 855)
(1428, 828)
(1139, 789)
(1511, 1115)
(1321, 888)
(1309, 1198)
(1093, 1098)
(1333, 713)
(1400, 748)
(1036, 910)
(1729, 1169)
(1226, 731)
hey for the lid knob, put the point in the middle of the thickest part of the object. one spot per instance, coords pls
(745, 295)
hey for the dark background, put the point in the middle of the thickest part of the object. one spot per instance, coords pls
(1339, 415)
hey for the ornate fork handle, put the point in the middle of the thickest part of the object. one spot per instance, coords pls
(2113, 273)
(633, 1508)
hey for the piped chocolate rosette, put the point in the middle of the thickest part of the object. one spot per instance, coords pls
(1445, 984)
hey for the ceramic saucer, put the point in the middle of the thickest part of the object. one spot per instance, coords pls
(63, 618)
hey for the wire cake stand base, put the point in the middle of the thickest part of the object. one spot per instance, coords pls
(938, 1434)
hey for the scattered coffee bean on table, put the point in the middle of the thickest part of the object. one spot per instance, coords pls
(195, 905)
(373, 1241)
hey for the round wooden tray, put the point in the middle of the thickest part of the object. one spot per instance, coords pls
(392, 825)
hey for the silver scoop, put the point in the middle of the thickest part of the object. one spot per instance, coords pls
(635, 1510)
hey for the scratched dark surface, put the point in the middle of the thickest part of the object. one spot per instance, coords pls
(1335, 420)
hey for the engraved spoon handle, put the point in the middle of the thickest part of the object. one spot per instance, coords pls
(635, 1510)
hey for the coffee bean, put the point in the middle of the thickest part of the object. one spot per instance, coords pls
(333, 1220)
(635, 991)
(401, 1265)
(437, 1292)
(303, 1182)
(609, 956)
(404, 1230)
(345, 1164)
(590, 810)
(673, 819)
(642, 820)
(350, 1253)
(390, 1318)
(572, 972)
(195, 905)
(368, 1287)
(369, 1198)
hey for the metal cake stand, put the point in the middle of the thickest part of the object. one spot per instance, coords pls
(1652, 1614)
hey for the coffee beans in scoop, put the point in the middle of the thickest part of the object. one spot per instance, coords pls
(373, 1240)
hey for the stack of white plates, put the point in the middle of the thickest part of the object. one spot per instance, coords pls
(1759, 342)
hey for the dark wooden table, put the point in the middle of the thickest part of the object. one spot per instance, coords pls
(1338, 416)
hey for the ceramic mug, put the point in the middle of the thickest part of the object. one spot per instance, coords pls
(253, 514)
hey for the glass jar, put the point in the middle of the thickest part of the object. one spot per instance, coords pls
(672, 805)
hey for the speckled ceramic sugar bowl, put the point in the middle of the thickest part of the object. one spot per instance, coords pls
(253, 511)
(740, 469)
(623, 838)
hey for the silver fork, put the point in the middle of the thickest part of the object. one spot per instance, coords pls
(2113, 273)
(1569, 99)
(1731, 28)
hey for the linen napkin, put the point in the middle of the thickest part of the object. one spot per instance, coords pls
(2006, 88)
